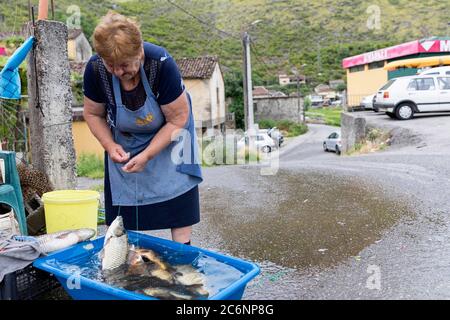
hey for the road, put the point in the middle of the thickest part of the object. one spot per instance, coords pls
(327, 227)
(372, 226)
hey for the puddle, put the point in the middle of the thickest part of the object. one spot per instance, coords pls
(298, 220)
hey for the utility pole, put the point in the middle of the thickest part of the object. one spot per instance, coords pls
(248, 84)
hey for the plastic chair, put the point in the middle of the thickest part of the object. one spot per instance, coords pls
(10, 191)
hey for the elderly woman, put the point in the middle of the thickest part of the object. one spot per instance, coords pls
(136, 106)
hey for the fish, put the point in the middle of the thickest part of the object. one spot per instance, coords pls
(167, 293)
(188, 276)
(63, 239)
(115, 248)
(144, 271)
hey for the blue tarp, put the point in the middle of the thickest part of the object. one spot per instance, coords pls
(9, 76)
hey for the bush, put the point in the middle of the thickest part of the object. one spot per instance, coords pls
(267, 123)
(297, 129)
(91, 166)
(292, 128)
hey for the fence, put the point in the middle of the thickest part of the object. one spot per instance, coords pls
(14, 133)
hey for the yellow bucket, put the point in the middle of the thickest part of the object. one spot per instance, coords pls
(70, 209)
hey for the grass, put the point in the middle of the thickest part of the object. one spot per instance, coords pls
(290, 128)
(331, 115)
(376, 140)
(91, 166)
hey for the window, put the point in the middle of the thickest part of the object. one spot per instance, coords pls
(388, 84)
(333, 135)
(421, 84)
(260, 138)
(356, 69)
(444, 83)
(376, 65)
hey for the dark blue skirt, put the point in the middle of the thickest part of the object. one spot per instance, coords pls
(178, 212)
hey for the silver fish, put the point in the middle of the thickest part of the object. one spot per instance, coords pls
(188, 276)
(115, 248)
(63, 239)
(167, 293)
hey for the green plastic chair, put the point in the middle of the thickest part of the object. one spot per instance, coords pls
(11, 192)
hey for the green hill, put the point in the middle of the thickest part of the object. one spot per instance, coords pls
(290, 33)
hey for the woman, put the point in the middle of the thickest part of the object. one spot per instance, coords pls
(136, 106)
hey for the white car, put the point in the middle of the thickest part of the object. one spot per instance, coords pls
(428, 91)
(367, 102)
(333, 143)
(263, 142)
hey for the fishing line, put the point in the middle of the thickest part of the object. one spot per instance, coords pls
(137, 209)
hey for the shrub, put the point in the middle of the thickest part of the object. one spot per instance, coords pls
(91, 166)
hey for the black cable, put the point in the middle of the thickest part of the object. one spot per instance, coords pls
(38, 98)
(201, 21)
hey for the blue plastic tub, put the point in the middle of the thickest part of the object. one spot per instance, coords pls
(89, 289)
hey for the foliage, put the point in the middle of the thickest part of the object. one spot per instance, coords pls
(307, 103)
(91, 166)
(76, 81)
(291, 33)
(292, 128)
(235, 92)
(330, 115)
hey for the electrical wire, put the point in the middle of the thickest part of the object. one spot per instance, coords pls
(202, 21)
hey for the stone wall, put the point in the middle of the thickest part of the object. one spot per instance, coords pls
(278, 108)
(353, 130)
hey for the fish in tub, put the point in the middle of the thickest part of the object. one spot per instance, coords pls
(131, 265)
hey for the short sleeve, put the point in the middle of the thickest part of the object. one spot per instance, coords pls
(91, 87)
(170, 85)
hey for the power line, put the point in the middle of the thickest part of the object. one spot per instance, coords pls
(202, 21)
(257, 56)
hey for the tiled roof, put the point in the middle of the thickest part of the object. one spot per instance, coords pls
(197, 68)
(260, 91)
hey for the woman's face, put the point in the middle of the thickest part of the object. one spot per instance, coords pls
(125, 69)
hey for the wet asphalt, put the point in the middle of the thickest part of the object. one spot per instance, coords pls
(372, 226)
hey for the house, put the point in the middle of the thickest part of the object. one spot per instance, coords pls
(269, 104)
(203, 79)
(326, 92)
(260, 92)
(284, 79)
(78, 46)
(334, 84)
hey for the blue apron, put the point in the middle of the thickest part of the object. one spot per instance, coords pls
(163, 178)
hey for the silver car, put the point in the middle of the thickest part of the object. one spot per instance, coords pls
(367, 102)
(333, 143)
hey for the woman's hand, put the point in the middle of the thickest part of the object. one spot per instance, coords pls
(117, 154)
(136, 164)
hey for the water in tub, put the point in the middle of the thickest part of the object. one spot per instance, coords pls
(164, 275)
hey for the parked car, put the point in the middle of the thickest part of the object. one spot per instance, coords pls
(428, 91)
(333, 143)
(442, 71)
(336, 103)
(263, 142)
(276, 135)
(316, 101)
(367, 102)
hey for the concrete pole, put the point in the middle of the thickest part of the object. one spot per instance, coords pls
(251, 121)
(50, 104)
(244, 82)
